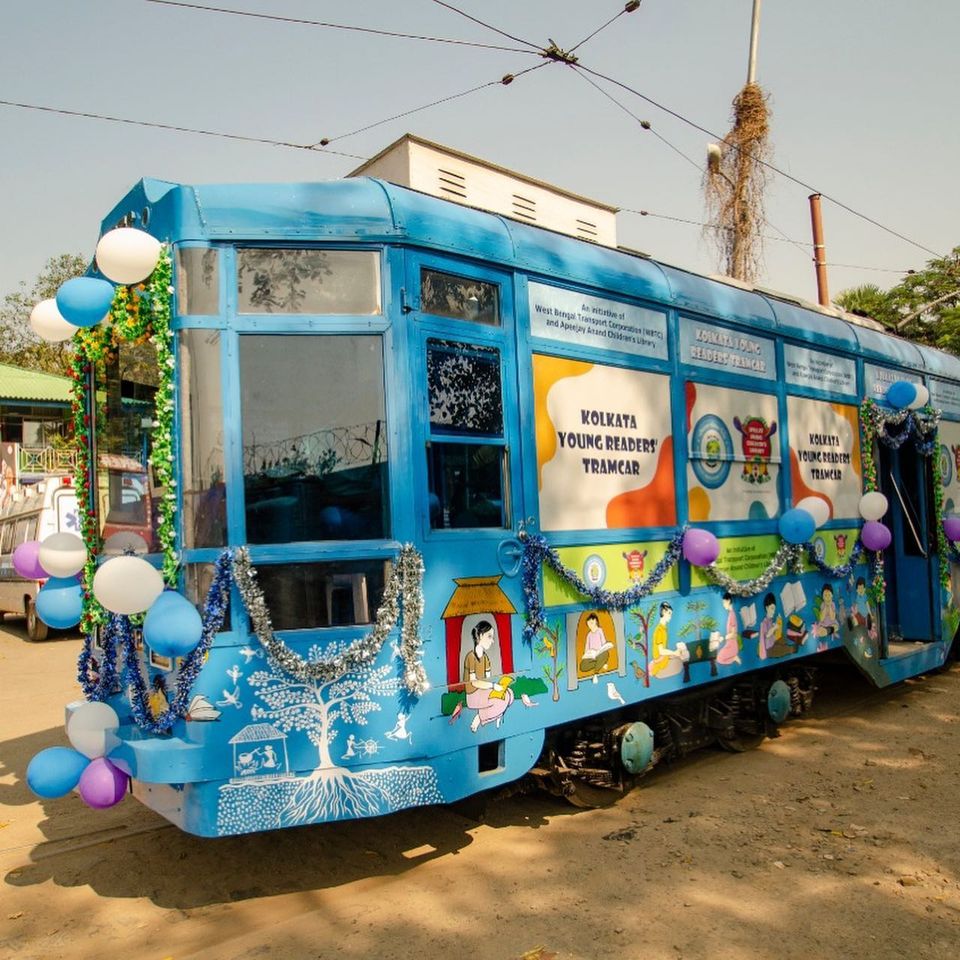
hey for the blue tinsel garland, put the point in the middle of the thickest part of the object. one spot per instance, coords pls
(841, 572)
(536, 550)
(118, 638)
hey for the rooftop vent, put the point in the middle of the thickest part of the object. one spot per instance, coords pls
(451, 175)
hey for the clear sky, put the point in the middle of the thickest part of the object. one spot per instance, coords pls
(863, 94)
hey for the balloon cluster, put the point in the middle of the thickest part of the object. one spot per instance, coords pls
(124, 585)
(124, 256)
(92, 730)
(904, 395)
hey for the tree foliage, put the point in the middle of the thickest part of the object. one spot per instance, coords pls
(19, 345)
(924, 306)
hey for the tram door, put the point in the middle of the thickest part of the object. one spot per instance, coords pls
(467, 467)
(906, 479)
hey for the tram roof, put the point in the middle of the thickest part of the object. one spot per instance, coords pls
(367, 209)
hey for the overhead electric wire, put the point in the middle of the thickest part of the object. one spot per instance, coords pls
(627, 8)
(177, 128)
(334, 26)
(509, 78)
(538, 48)
(765, 163)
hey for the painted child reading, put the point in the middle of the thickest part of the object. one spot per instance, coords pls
(596, 649)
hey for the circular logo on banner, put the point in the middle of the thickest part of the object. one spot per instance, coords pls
(946, 466)
(594, 570)
(820, 549)
(712, 451)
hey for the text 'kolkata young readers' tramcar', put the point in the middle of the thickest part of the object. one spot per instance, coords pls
(460, 498)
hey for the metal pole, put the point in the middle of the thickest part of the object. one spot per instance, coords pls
(754, 40)
(819, 251)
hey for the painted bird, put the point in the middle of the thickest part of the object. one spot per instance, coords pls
(614, 694)
(638, 671)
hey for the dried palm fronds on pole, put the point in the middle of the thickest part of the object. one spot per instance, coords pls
(735, 179)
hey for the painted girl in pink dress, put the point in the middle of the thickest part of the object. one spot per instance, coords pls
(729, 651)
(489, 699)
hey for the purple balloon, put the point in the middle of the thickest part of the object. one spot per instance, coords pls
(876, 535)
(102, 784)
(951, 527)
(26, 561)
(700, 547)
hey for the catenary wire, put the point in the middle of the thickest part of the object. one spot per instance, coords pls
(537, 48)
(455, 96)
(627, 8)
(770, 166)
(333, 26)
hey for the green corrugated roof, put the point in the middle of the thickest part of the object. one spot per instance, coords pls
(18, 384)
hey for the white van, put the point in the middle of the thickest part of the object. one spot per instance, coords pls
(35, 512)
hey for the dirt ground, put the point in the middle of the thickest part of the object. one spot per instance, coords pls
(838, 839)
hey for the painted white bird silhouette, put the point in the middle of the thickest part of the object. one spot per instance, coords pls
(230, 699)
(614, 694)
(248, 653)
(235, 673)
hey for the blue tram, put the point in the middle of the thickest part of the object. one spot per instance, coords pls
(430, 478)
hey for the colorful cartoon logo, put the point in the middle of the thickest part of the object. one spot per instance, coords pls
(594, 570)
(711, 451)
(757, 448)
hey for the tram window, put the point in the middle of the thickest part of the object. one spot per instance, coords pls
(308, 281)
(463, 384)
(460, 298)
(314, 438)
(198, 281)
(466, 485)
(204, 497)
(304, 596)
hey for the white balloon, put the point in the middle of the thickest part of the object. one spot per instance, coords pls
(126, 255)
(48, 323)
(127, 585)
(62, 554)
(92, 729)
(873, 505)
(817, 507)
(922, 398)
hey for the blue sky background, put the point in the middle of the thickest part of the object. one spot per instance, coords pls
(863, 95)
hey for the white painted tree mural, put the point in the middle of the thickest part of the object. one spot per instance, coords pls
(317, 709)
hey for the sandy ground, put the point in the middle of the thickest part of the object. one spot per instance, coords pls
(839, 839)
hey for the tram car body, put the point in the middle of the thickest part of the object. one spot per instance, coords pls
(362, 369)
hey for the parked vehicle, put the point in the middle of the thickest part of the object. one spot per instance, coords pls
(36, 511)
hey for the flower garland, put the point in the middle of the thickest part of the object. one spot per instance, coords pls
(405, 587)
(787, 556)
(537, 551)
(135, 314)
(943, 545)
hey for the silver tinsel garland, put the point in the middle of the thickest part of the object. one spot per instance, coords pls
(789, 555)
(405, 587)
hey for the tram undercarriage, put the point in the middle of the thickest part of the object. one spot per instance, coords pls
(591, 762)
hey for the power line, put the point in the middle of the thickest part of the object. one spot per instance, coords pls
(177, 128)
(536, 47)
(765, 163)
(780, 239)
(628, 8)
(505, 81)
(333, 26)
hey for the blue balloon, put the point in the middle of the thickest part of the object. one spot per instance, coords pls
(85, 301)
(901, 394)
(797, 526)
(54, 772)
(60, 602)
(172, 626)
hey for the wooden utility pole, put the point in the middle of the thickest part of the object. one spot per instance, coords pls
(819, 251)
